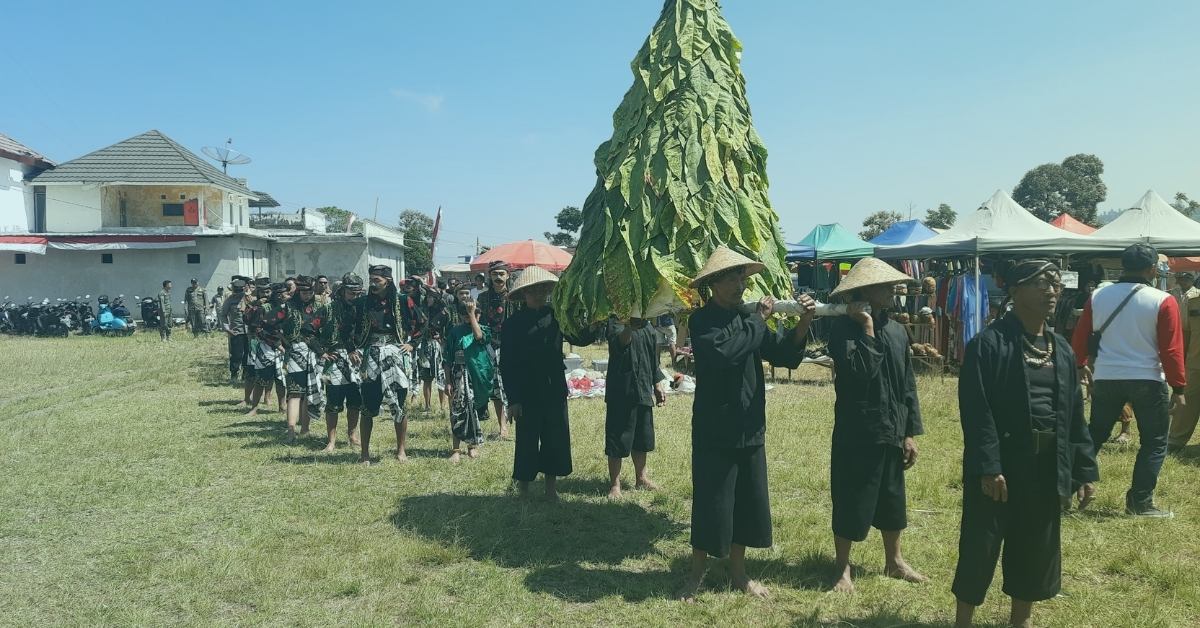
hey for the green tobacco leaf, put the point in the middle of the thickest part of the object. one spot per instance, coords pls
(683, 173)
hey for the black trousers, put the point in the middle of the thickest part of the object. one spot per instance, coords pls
(543, 440)
(867, 486)
(730, 503)
(238, 346)
(1026, 528)
(627, 429)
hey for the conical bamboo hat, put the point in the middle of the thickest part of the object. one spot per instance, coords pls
(531, 276)
(870, 271)
(725, 258)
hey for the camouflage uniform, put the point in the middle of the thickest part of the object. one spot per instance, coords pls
(164, 313)
(196, 301)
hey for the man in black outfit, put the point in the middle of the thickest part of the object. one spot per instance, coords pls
(875, 418)
(730, 503)
(634, 387)
(1026, 449)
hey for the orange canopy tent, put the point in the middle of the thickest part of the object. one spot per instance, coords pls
(1067, 222)
(519, 255)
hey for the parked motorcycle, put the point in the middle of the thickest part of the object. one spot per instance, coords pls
(112, 319)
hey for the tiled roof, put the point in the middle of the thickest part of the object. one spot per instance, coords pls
(264, 200)
(15, 150)
(150, 158)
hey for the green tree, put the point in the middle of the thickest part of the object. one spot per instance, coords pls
(569, 220)
(336, 219)
(877, 223)
(1073, 187)
(418, 230)
(941, 218)
(1185, 205)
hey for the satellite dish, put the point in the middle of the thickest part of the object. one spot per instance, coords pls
(226, 155)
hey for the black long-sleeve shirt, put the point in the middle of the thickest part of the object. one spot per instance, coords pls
(993, 400)
(632, 369)
(730, 408)
(531, 363)
(876, 389)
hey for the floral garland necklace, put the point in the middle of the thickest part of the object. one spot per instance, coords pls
(1035, 357)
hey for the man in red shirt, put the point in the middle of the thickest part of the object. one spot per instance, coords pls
(1139, 361)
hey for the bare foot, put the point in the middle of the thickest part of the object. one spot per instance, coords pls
(843, 584)
(304, 431)
(473, 452)
(646, 485)
(252, 413)
(523, 490)
(364, 461)
(329, 448)
(291, 437)
(687, 593)
(901, 571)
(551, 496)
(354, 440)
(455, 457)
(1122, 439)
(615, 492)
(751, 588)
(401, 456)
(504, 434)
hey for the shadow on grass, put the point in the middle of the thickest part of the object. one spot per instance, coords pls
(219, 402)
(878, 619)
(813, 572)
(592, 486)
(573, 548)
(1189, 455)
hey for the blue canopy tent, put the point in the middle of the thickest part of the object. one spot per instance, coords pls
(829, 242)
(904, 232)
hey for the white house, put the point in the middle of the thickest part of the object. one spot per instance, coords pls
(17, 163)
(122, 219)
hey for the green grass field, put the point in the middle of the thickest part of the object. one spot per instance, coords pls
(133, 493)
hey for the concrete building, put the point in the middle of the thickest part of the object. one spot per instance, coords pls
(17, 163)
(122, 219)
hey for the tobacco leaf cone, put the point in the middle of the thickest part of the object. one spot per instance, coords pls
(683, 173)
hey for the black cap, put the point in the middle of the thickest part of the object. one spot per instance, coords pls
(1139, 257)
(381, 270)
(194, 280)
(238, 284)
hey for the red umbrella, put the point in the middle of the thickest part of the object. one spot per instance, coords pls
(1068, 222)
(518, 255)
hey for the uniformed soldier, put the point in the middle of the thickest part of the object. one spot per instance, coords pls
(164, 311)
(196, 300)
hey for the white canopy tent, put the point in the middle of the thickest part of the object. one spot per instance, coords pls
(1154, 222)
(1000, 225)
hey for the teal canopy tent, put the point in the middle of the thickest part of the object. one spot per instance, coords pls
(829, 242)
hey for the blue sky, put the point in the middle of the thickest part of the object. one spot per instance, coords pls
(494, 109)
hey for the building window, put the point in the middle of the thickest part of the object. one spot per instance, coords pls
(106, 258)
(162, 197)
(193, 258)
(182, 196)
(172, 209)
(19, 258)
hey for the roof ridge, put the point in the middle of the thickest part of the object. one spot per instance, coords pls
(203, 166)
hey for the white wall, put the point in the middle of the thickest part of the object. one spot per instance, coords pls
(331, 259)
(71, 208)
(16, 201)
(66, 274)
(381, 252)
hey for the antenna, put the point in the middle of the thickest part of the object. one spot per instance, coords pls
(226, 155)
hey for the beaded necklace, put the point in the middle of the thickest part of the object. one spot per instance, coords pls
(1034, 356)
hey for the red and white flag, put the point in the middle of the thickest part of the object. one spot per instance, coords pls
(437, 225)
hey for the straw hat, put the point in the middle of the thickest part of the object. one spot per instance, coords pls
(870, 271)
(532, 276)
(725, 258)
